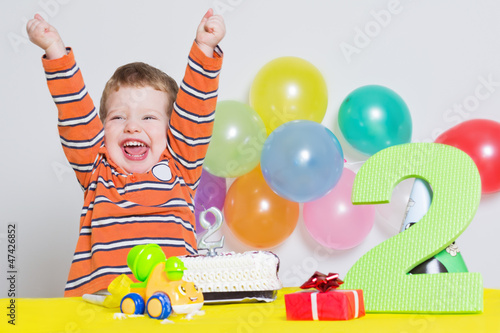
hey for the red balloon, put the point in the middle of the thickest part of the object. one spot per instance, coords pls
(480, 139)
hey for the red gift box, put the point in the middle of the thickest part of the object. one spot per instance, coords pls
(330, 305)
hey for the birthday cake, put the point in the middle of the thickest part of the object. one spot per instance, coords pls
(230, 277)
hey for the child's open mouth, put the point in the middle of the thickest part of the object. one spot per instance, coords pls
(135, 150)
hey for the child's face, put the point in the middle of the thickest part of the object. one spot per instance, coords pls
(135, 129)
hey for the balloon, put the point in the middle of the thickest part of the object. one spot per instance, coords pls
(480, 139)
(211, 192)
(286, 89)
(302, 160)
(334, 222)
(237, 140)
(373, 117)
(256, 215)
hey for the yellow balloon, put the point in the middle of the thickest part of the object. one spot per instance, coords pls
(286, 89)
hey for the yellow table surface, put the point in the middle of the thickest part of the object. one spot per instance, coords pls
(76, 315)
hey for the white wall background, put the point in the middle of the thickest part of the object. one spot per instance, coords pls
(432, 53)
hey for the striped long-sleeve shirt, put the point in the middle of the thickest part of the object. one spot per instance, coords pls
(123, 210)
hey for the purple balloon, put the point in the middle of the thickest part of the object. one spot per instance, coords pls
(211, 192)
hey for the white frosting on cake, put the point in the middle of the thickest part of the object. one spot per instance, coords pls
(248, 271)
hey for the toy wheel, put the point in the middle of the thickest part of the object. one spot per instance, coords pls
(159, 306)
(132, 304)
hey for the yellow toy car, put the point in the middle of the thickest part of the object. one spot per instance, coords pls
(161, 289)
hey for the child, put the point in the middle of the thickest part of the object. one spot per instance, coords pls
(140, 163)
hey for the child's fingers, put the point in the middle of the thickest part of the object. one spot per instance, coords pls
(29, 25)
(204, 19)
(36, 19)
(209, 13)
(216, 19)
(211, 29)
(32, 25)
(39, 17)
(214, 23)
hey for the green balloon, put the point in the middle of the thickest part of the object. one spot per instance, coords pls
(372, 118)
(238, 136)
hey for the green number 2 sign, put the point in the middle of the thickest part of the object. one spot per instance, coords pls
(382, 272)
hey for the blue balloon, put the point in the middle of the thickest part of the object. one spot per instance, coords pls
(302, 160)
(373, 118)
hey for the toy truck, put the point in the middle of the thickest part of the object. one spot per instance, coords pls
(160, 290)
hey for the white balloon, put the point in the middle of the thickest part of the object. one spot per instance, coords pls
(394, 212)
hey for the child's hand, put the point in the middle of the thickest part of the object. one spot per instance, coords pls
(42, 34)
(210, 32)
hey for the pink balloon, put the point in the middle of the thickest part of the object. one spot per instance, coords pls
(334, 222)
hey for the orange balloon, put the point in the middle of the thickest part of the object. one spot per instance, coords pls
(256, 215)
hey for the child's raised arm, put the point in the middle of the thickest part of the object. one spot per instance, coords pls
(42, 34)
(210, 32)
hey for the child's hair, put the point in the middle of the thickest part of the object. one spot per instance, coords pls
(139, 75)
